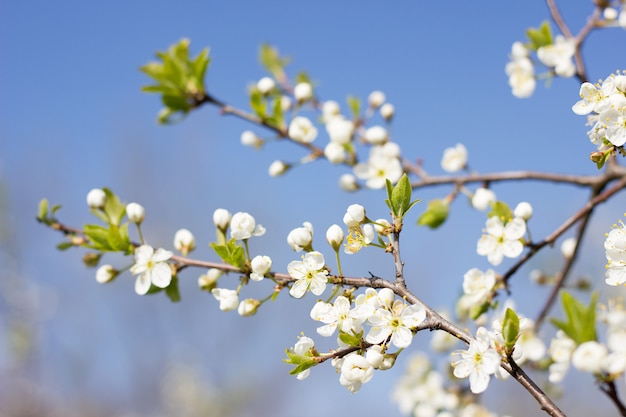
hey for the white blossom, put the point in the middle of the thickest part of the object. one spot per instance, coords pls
(152, 268)
(310, 274)
(454, 159)
(589, 356)
(229, 299)
(301, 238)
(502, 240)
(387, 111)
(397, 323)
(479, 362)
(355, 371)
(568, 246)
(278, 168)
(302, 130)
(376, 135)
(483, 198)
(243, 226)
(249, 138)
(260, 265)
(559, 56)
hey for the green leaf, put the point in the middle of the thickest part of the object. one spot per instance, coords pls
(55, 208)
(278, 117)
(118, 238)
(355, 107)
(401, 196)
(539, 37)
(303, 366)
(477, 310)
(98, 236)
(232, 252)
(501, 210)
(303, 77)
(42, 212)
(172, 291)
(272, 61)
(510, 329)
(436, 213)
(65, 245)
(258, 103)
(351, 339)
(580, 323)
(113, 207)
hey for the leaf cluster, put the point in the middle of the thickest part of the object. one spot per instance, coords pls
(179, 80)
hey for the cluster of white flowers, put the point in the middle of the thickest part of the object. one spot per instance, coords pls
(605, 105)
(390, 321)
(454, 159)
(521, 71)
(615, 249)
(478, 362)
(242, 226)
(607, 360)
(557, 56)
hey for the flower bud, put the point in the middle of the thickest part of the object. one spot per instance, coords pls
(265, 85)
(482, 199)
(335, 153)
(374, 356)
(221, 218)
(347, 182)
(376, 135)
(278, 168)
(330, 109)
(454, 159)
(184, 241)
(96, 198)
(249, 138)
(208, 281)
(135, 212)
(335, 236)
(340, 130)
(523, 210)
(303, 92)
(248, 307)
(568, 247)
(260, 266)
(609, 13)
(376, 99)
(355, 214)
(596, 157)
(285, 103)
(387, 111)
(382, 226)
(106, 273)
(301, 238)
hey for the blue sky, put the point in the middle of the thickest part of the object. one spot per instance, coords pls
(72, 118)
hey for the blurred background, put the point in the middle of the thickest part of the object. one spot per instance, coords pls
(73, 118)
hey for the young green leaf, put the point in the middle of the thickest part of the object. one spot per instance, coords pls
(172, 291)
(510, 329)
(42, 212)
(232, 252)
(501, 210)
(436, 213)
(355, 107)
(580, 320)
